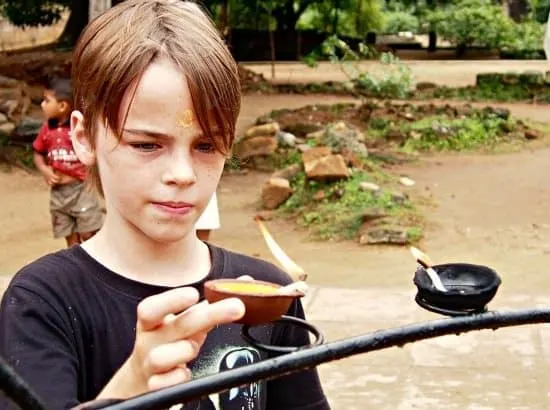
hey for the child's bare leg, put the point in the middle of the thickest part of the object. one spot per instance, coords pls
(72, 239)
(203, 234)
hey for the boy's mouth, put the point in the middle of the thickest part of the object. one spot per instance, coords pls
(172, 207)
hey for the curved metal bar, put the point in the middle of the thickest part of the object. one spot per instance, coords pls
(310, 357)
(17, 390)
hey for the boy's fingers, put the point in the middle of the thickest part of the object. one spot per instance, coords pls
(245, 277)
(152, 310)
(171, 378)
(202, 318)
(166, 357)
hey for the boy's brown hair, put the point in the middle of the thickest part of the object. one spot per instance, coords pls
(116, 48)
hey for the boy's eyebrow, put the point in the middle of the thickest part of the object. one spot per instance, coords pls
(155, 134)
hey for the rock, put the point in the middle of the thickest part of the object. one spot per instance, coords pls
(315, 153)
(265, 130)
(368, 186)
(406, 181)
(13, 93)
(7, 128)
(288, 173)
(275, 192)
(341, 136)
(332, 167)
(27, 129)
(415, 135)
(303, 147)
(302, 129)
(317, 135)
(319, 195)
(285, 138)
(399, 198)
(425, 85)
(3, 118)
(9, 107)
(255, 146)
(396, 135)
(384, 235)
(532, 134)
(7, 82)
(264, 120)
(370, 215)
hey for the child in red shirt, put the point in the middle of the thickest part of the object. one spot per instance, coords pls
(76, 214)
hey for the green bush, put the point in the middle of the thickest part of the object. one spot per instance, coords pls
(399, 21)
(524, 40)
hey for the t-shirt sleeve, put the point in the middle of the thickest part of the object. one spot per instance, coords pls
(301, 390)
(35, 340)
(39, 144)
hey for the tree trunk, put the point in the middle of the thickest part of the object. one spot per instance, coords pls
(78, 19)
(517, 9)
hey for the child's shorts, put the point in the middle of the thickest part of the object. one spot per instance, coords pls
(210, 218)
(74, 208)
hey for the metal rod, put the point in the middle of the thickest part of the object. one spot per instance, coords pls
(313, 356)
(17, 389)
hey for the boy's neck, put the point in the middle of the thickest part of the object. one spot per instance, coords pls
(57, 122)
(174, 264)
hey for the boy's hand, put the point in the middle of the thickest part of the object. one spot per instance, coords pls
(50, 175)
(171, 328)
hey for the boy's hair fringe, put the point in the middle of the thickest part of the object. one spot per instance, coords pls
(117, 47)
(62, 88)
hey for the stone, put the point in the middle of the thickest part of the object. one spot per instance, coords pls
(14, 93)
(302, 129)
(425, 85)
(370, 215)
(303, 147)
(275, 192)
(317, 135)
(341, 136)
(27, 129)
(264, 130)
(332, 167)
(384, 235)
(255, 146)
(532, 134)
(288, 173)
(315, 153)
(7, 128)
(9, 107)
(406, 181)
(264, 120)
(399, 198)
(368, 186)
(3, 118)
(285, 139)
(7, 82)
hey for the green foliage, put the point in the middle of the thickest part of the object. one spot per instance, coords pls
(28, 13)
(392, 80)
(460, 134)
(400, 21)
(339, 214)
(540, 9)
(524, 40)
(471, 22)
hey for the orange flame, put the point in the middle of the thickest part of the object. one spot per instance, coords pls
(291, 267)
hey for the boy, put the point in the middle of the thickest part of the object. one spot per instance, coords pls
(75, 211)
(157, 98)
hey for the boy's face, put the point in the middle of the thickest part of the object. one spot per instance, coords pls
(159, 178)
(52, 108)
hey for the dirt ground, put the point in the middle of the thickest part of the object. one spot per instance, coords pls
(490, 210)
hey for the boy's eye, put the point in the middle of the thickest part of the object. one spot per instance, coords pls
(145, 146)
(205, 147)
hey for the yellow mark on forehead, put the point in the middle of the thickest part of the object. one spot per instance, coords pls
(187, 119)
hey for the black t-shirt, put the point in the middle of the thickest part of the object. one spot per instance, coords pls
(67, 323)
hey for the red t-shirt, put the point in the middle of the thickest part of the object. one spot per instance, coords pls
(55, 143)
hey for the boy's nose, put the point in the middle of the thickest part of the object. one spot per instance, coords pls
(180, 171)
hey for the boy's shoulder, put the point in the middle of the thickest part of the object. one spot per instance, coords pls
(231, 264)
(48, 271)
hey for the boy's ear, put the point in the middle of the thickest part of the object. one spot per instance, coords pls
(81, 143)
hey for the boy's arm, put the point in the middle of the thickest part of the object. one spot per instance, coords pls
(40, 149)
(297, 391)
(35, 341)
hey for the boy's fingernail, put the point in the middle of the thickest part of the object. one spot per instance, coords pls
(237, 308)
